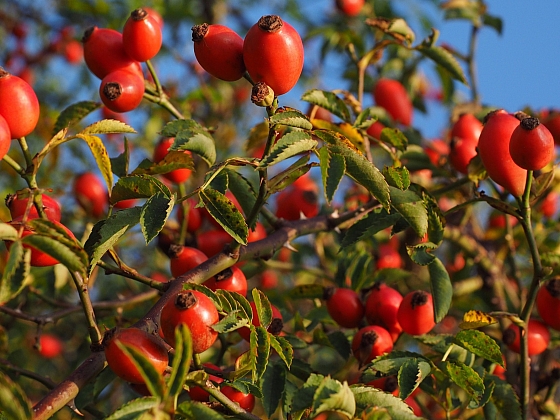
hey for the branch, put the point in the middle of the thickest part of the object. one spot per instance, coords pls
(265, 248)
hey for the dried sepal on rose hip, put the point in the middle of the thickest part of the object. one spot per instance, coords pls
(219, 50)
(262, 94)
(370, 342)
(531, 145)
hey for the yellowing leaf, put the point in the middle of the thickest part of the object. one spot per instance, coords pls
(476, 319)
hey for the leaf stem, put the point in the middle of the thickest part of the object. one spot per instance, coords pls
(14, 165)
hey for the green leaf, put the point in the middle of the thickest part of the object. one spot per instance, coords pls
(480, 344)
(154, 214)
(367, 396)
(289, 175)
(306, 393)
(232, 321)
(493, 22)
(13, 401)
(357, 166)
(292, 118)
(329, 101)
(331, 395)
(107, 127)
(411, 374)
(134, 409)
(395, 138)
(119, 164)
(101, 157)
(283, 348)
(390, 364)
(192, 410)
(243, 190)
(107, 232)
(260, 345)
(338, 341)
(189, 135)
(289, 145)
(8, 232)
(273, 385)
(173, 160)
(374, 222)
(181, 361)
(262, 307)
(138, 186)
(15, 272)
(443, 58)
(441, 287)
(465, 377)
(412, 208)
(333, 167)
(505, 399)
(225, 213)
(74, 113)
(397, 177)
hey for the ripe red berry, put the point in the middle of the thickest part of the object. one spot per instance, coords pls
(549, 206)
(160, 152)
(437, 150)
(531, 145)
(493, 149)
(231, 279)
(245, 401)
(121, 364)
(538, 337)
(350, 7)
(18, 105)
(275, 327)
(464, 140)
(213, 241)
(184, 258)
(552, 122)
(391, 95)
(273, 54)
(548, 303)
(122, 90)
(197, 312)
(388, 257)
(382, 306)
(5, 137)
(73, 51)
(256, 234)
(416, 313)
(344, 306)
(18, 206)
(299, 198)
(219, 50)
(50, 346)
(91, 194)
(104, 53)
(370, 342)
(141, 36)
(375, 129)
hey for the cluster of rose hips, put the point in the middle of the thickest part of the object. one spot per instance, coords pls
(115, 57)
(387, 312)
(271, 53)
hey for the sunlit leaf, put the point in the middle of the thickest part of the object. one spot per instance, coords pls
(225, 213)
(328, 101)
